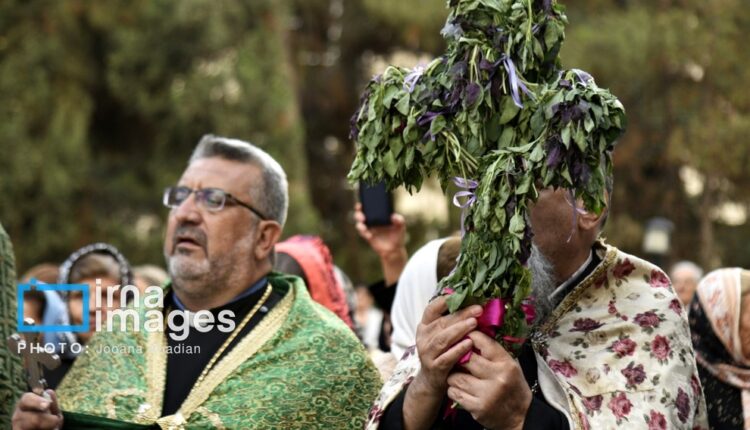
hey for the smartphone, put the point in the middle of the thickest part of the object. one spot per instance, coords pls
(377, 203)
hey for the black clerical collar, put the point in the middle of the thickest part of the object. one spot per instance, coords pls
(582, 273)
(573, 278)
(262, 282)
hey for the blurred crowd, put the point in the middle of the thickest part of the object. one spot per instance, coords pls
(385, 314)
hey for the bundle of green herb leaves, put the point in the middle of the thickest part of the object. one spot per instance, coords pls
(498, 116)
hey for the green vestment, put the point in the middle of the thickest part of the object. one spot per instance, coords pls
(299, 368)
(11, 380)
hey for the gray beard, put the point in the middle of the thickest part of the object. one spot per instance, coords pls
(542, 283)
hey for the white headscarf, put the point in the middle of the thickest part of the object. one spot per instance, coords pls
(416, 287)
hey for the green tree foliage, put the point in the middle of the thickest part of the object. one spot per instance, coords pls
(104, 101)
(680, 68)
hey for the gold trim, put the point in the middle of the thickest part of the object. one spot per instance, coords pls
(245, 349)
(576, 415)
(572, 298)
(156, 374)
(213, 417)
(234, 334)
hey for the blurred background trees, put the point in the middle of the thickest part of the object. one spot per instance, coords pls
(103, 102)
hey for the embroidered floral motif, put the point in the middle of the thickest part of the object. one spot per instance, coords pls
(593, 403)
(623, 347)
(620, 406)
(659, 279)
(656, 421)
(676, 306)
(585, 325)
(622, 269)
(563, 367)
(660, 348)
(647, 320)
(634, 374)
(683, 405)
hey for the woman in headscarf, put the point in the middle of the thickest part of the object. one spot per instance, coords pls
(309, 258)
(720, 326)
(417, 285)
(98, 261)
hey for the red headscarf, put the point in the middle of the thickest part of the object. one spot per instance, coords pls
(316, 262)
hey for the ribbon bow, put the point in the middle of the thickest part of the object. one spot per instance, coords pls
(469, 186)
(514, 82)
(493, 314)
(410, 81)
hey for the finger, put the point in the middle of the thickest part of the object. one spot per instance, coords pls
(449, 358)
(466, 382)
(54, 407)
(398, 220)
(363, 231)
(488, 347)
(36, 421)
(471, 312)
(445, 337)
(466, 400)
(480, 367)
(359, 216)
(31, 402)
(358, 207)
(434, 310)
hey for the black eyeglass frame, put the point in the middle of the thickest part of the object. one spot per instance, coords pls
(200, 196)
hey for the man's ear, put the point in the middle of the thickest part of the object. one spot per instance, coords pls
(590, 221)
(269, 232)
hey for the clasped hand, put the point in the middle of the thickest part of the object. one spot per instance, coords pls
(490, 386)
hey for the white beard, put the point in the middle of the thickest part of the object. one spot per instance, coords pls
(542, 283)
(182, 267)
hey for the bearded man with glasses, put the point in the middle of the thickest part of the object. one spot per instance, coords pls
(287, 363)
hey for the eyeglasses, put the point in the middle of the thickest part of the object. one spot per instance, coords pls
(213, 199)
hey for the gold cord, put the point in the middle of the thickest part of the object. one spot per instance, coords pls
(234, 334)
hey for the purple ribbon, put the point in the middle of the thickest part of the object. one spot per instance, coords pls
(583, 76)
(410, 81)
(426, 120)
(469, 186)
(514, 82)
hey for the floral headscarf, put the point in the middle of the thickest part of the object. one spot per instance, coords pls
(714, 322)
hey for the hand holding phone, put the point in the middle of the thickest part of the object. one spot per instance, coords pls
(377, 203)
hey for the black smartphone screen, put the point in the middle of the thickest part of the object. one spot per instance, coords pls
(377, 203)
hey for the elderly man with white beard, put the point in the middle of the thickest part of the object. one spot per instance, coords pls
(284, 362)
(610, 346)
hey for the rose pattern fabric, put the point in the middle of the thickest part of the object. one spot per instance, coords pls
(624, 347)
(660, 348)
(618, 348)
(656, 421)
(659, 279)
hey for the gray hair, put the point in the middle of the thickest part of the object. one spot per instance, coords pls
(687, 266)
(272, 197)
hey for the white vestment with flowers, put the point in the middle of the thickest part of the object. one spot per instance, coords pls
(615, 353)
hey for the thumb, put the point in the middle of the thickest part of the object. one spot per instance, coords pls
(54, 407)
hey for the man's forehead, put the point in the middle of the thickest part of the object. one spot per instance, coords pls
(215, 172)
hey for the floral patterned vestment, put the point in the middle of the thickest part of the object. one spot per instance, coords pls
(615, 353)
